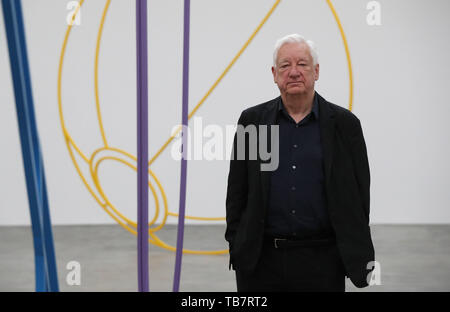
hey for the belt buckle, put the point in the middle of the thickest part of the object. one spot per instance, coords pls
(275, 241)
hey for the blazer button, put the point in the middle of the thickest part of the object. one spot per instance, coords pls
(261, 220)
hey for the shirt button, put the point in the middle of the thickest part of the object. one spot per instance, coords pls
(293, 188)
(293, 211)
(294, 167)
(295, 145)
(296, 126)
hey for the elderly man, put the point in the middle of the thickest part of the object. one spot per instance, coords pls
(305, 225)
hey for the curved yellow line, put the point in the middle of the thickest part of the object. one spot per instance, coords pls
(107, 205)
(347, 53)
(97, 52)
(94, 175)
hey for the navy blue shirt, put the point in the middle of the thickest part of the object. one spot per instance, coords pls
(297, 202)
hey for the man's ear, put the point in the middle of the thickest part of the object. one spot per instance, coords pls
(316, 72)
(273, 73)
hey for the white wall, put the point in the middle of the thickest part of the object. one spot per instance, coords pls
(401, 78)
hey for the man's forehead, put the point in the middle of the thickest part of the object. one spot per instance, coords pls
(302, 57)
(295, 57)
(300, 45)
(294, 50)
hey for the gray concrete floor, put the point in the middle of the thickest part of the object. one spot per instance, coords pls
(411, 257)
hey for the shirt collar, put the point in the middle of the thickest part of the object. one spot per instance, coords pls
(315, 106)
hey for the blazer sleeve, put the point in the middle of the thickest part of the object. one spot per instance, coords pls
(361, 164)
(237, 190)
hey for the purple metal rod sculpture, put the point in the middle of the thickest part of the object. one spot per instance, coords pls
(142, 142)
(181, 212)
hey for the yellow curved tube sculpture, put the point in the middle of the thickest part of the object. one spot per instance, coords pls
(96, 159)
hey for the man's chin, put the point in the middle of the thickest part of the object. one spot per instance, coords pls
(296, 91)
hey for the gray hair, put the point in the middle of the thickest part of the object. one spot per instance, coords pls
(292, 39)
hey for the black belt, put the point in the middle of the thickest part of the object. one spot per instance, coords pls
(286, 242)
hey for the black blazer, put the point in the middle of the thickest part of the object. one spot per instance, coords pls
(347, 184)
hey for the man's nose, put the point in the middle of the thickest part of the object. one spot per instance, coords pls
(294, 72)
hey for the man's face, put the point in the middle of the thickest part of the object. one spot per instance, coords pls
(295, 72)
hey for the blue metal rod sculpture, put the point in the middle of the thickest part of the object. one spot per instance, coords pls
(44, 254)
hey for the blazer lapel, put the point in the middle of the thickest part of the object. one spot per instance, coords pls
(268, 119)
(327, 129)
